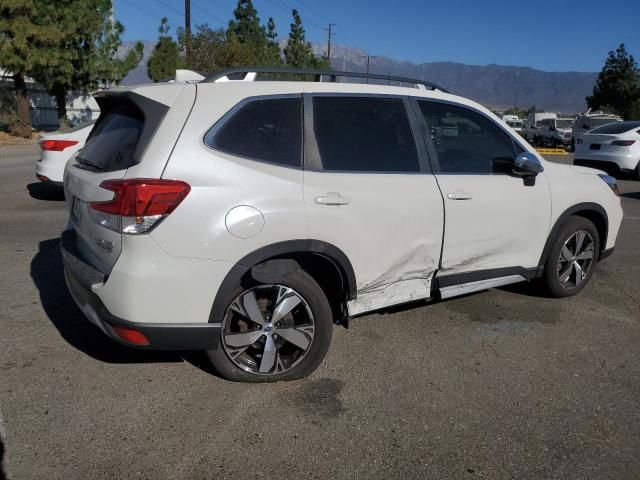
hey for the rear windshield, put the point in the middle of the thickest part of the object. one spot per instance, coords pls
(80, 126)
(597, 122)
(617, 127)
(113, 141)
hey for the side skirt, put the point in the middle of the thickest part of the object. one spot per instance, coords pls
(463, 283)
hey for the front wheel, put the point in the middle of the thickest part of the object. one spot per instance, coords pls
(278, 329)
(572, 258)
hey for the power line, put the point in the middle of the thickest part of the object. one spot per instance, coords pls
(142, 9)
(171, 8)
(342, 32)
(215, 17)
(283, 6)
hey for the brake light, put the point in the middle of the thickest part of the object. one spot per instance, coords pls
(138, 204)
(57, 145)
(623, 143)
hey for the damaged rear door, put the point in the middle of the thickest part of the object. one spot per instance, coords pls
(368, 190)
(496, 226)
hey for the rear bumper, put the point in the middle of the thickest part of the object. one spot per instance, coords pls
(50, 172)
(80, 276)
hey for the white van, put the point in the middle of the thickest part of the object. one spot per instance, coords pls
(531, 133)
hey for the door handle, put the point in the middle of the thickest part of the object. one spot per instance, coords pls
(332, 198)
(459, 196)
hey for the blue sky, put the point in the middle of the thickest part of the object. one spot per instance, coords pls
(549, 35)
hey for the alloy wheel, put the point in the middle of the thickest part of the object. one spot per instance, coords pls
(268, 329)
(575, 259)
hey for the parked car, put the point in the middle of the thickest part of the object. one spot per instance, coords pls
(201, 216)
(588, 121)
(531, 133)
(555, 132)
(516, 124)
(56, 148)
(614, 147)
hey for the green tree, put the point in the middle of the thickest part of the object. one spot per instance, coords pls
(213, 50)
(20, 22)
(246, 25)
(298, 52)
(82, 53)
(618, 85)
(165, 57)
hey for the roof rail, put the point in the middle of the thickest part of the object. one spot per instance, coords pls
(248, 74)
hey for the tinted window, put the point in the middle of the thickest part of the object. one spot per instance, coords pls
(597, 122)
(616, 127)
(269, 130)
(364, 134)
(114, 139)
(474, 145)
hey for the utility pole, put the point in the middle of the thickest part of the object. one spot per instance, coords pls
(187, 29)
(368, 57)
(329, 42)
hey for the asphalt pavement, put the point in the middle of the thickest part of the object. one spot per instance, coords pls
(499, 384)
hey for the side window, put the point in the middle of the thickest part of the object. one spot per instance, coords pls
(364, 134)
(466, 141)
(268, 130)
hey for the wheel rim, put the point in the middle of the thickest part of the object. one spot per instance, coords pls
(576, 259)
(268, 329)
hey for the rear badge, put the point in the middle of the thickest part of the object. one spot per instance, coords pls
(103, 244)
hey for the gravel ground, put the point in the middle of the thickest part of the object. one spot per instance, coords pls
(499, 384)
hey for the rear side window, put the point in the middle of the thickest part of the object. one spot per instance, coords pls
(466, 141)
(370, 134)
(616, 127)
(113, 140)
(267, 130)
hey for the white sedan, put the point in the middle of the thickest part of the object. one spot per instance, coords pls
(57, 148)
(614, 147)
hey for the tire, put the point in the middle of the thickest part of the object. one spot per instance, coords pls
(313, 311)
(636, 172)
(556, 267)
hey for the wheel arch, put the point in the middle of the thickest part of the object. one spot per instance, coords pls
(314, 255)
(591, 211)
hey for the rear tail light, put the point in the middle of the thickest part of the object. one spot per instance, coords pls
(623, 143)
(57, 145)
(138, 204)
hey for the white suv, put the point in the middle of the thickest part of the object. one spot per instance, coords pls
(244, 218)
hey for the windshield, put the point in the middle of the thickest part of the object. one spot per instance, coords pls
(563, 123)
(616, 127)
(113, 139)
(596, 122)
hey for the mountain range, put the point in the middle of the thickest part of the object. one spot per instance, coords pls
(496, 86)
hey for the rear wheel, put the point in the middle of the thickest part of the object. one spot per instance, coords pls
(572, 258)
(272, 331)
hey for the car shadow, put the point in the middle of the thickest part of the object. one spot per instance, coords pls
(2, 474)
(46, 191)
(634, 195)
(47, 274)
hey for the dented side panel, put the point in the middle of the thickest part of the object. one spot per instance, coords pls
(390, 229)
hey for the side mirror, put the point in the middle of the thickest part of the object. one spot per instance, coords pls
(552, 129)
(527, 166)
